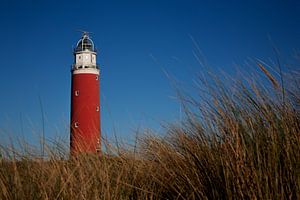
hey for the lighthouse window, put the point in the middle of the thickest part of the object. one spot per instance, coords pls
(76, 125)
(97, 109)
(97, 77)
(79, 57)
(77, 93)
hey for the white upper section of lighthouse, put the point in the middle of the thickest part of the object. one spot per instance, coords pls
(85, 56)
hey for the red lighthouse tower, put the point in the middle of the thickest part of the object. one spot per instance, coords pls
(85, 99)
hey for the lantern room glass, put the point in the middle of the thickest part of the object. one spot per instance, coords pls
(85, 43)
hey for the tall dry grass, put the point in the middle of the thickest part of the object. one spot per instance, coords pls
(237, 142)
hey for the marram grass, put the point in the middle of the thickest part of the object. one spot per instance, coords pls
(238, 142)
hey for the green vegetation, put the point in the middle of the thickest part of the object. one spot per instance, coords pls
(237, 142)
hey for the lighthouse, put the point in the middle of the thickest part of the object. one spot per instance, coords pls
(85, 99)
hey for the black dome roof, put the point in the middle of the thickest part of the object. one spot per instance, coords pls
(85, 43)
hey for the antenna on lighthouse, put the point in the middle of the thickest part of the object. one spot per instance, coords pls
(84, 32)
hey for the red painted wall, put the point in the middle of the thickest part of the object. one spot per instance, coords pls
(85, 111)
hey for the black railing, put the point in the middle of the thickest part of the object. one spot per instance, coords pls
(76, 50)
(74, 66)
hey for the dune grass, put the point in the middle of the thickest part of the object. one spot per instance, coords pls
(237, 142)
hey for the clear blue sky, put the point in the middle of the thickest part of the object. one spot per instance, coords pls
(137, 42)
